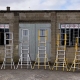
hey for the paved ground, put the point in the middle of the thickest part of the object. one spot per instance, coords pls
(24, 74)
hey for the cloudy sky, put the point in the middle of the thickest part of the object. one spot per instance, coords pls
(40, 4)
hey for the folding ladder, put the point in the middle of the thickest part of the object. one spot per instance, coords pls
(60, 56)
(42, 54)
(76, 61)
(8, 57)
(25, 59)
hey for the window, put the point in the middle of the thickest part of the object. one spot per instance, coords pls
(25, 36)
(72, 31)
(4, 28)
(42, 32)
(25, 32)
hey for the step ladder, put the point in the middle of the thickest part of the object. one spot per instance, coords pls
(76, 62)
(42, 56)
(25, 59)
(8, 56)
(60, 61)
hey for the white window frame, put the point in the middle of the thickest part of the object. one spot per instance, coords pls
(4, 26)
(69, 27)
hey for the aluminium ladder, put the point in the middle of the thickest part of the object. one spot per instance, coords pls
(8, 57)
(42, 54)
(60, 56)
(25, 59)
(76, 61)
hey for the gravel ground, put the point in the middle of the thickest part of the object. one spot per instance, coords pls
(41, 74)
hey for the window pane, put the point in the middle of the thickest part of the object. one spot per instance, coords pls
(75, 34)
(72, 31)
(67, 34)
(25, 32)
(1, 36)
(79, 37)
(6, 30)
(71, 37)
(42, 32)
(62, 36)
(62, 39)
(62, 30)
(2, 30)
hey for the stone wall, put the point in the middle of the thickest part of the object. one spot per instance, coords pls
(13, 18)
(68, 17)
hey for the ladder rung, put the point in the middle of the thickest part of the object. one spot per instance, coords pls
(8, 51)
(60, 62)
(61, 50)
(41, 65)
(42, 53)
(8, 57)
(25, 57)
(41, 49)
(24, 64)
(42, 57)
(25, 49)
(77, 63)
(61, 46)
(24, 45)
(42, 42)
(8, 54)
(9, 39)
(9, 45)
(42, 36)
(60, 58)
(75, 67)
(59, 66)
(77, 59)
(77, 55)
(8, 48)
(25, 53)
(61, 54)
(77, 51)
(41, 46)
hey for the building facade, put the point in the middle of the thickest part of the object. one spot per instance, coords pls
(55, 21)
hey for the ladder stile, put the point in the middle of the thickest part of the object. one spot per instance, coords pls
(24, 59)
(8, 41)
(60, 55)
(76, 62)
(42, 41)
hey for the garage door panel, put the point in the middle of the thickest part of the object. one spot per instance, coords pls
(33, 37)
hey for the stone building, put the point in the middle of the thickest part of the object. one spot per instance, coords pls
(55, 21)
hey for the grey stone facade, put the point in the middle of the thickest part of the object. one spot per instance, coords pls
(55, 17)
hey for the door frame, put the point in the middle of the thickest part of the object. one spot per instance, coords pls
(35, 42)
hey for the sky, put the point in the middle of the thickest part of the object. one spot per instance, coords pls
(40, 4)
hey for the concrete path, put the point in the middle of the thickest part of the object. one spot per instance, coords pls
(24, 74)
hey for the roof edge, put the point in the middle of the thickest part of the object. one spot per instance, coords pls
(40, 11)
